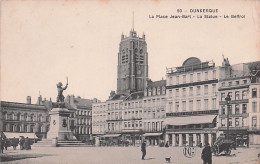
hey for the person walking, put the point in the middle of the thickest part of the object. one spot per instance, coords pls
(15, 143)
(21, 142)
(206, 155)
(2, 145)
(143, 149)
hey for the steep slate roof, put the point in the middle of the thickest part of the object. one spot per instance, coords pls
(86, 103)
(157, 84)
(135, 95)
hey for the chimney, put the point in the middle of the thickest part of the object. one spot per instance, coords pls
(94, 100)
(29, 100)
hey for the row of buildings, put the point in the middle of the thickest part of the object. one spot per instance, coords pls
(187, 108)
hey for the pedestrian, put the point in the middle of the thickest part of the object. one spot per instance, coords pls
(143, 149)
(206, 155)
(167, 144)
(7, 143)
(21, 143)
(2, 145)
(26, 143)
(15, 143)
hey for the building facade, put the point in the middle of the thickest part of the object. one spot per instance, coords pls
(154, 112)
(81, 121)
(192, 108)
(25, 118)
(242, 86)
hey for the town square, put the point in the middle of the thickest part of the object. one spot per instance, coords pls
(79, 88)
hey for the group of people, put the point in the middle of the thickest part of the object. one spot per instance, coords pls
(23, 142)
(206, 154)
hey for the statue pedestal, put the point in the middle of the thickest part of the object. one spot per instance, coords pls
(59, 124)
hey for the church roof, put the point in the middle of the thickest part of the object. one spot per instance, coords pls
(135, 95)
(159, 83)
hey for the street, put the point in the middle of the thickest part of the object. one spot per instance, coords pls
(95, 155)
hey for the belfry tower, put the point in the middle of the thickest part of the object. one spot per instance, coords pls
(132, 69)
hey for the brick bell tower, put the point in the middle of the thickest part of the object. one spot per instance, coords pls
(132, 69)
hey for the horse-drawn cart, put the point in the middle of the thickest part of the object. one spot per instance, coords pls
(222, 145)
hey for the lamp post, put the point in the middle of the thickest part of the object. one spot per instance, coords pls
(228, 99)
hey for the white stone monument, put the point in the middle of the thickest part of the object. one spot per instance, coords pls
(59, 124)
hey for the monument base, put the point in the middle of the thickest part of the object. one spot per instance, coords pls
(59, 125)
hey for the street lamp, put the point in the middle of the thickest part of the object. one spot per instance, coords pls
(228, 99)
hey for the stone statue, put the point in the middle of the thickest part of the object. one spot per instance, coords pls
(60, 97)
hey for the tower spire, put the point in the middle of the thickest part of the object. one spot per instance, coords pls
(133, 20)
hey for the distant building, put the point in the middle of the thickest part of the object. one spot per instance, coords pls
(192, 108)
(243, 88)
(25, 118)
(154, 112)
(82, 119)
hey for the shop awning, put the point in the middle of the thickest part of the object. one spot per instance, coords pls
(190, 120)
(17, 135)
(111, 135)
(152, 134)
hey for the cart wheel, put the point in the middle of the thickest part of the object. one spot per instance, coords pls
(228, 152)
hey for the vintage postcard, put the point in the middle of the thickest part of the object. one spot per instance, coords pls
(109, 81)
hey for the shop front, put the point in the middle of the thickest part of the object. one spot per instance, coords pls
(153, 139)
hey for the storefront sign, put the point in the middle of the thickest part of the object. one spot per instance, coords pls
(189, 152)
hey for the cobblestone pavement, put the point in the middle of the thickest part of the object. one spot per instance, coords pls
(121, 155)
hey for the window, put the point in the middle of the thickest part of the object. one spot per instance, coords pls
(177, 106)
(206, 104)
(170, 80)
(223, 110)
(214, 74)
(191, 105)
(184, 106)
(149, 92)
(214, 88)
(191, 91)
(177, 93)
(229, 83)
(230, 94)
(198, 76)
(206, 87)
(177, 79)
(230, 109)
(244, 108)
(236, 121)
(230, 121)
(223, 84)
(184, 79)
(254, 106)
(244, 95)
(254, 122)
(237, 109)
(254, 93)
(244, 81)
(214, 103)
(184, 92)
(158, 91)
(170, 106)
(237, 82)
(198, 105)
(223, 122)
(170, 93)
(206, 76)
(163, 90)
(191, 78)
(237, 95)
(222, 96)
(198, 90)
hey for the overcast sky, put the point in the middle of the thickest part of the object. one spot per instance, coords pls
(42, 42)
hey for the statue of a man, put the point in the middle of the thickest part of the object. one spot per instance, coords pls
(60, 97)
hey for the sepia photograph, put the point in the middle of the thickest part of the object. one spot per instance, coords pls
(130, 82)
